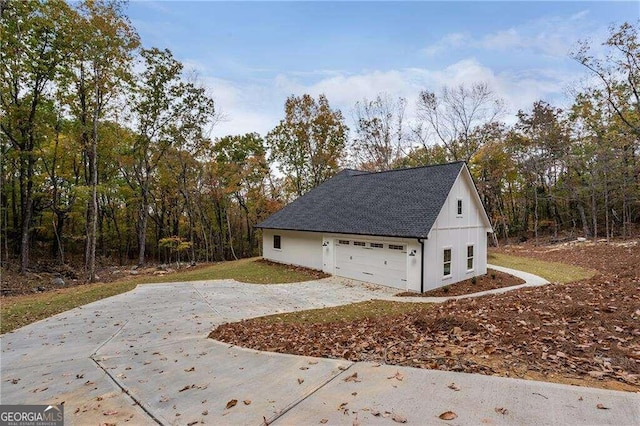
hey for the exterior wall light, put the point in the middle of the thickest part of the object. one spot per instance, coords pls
(413, 253)
(325, 243)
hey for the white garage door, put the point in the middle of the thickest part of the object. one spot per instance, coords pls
(376, 262)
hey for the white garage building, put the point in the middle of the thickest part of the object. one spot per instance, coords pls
(414, 229)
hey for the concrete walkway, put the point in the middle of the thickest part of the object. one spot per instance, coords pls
(531, 280)
(143, 358)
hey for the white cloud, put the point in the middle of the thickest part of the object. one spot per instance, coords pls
(259, 107)
(452, 40)
(552, 36)
(503, 40)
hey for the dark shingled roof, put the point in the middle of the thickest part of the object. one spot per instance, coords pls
(398, 203)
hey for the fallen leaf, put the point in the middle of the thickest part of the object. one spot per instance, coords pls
(300, 381)
(454, 387)
(352, 378)
(247, 402)
(447, 415)
(602, 407)
(501, 410)
(79, 376)
(110, 413)
(323, 421)
(190, 369)
(232, 403)
(205, 412)
(376, 413)
(187, 387)
(399, 418)
(398, 376)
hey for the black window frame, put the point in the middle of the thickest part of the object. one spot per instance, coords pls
(277, 242)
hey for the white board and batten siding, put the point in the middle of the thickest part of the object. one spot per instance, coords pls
(457, 232)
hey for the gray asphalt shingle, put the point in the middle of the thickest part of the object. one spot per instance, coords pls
(399, 203)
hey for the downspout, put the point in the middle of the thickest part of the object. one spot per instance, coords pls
(421, 241)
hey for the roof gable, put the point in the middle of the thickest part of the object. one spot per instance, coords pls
(399, 203)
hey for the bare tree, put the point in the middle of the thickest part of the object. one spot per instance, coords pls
(618, 73)
(381, 138)
(456, 117)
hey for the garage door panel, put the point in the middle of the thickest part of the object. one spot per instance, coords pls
(374, 264)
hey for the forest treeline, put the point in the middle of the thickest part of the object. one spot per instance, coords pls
(107, 155)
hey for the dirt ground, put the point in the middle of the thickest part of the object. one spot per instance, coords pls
(489, 281)
(584, 333)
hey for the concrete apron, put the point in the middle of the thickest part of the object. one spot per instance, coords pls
(143, 358)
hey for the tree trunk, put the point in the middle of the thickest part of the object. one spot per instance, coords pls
(92, 214)
(142, 228)
(58, 248)
(26, 193)
(230, 238)
(606, 205)
(25, 235)
(583, 220)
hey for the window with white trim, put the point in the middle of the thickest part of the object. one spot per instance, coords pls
(277, 242)
(446, 269)
(343, 242)
(396, 247)
(459, 207)
(470, 257)
(359, 243)
(376, 245)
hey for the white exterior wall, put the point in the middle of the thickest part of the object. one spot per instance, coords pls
(297, 248)
(456, 232)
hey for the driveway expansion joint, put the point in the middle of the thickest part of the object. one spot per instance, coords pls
(109, 339)
(126, 391)
(291, 406)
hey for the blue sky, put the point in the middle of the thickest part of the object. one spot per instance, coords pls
(252, 55)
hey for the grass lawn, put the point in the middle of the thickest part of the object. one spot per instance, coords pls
(552, 271)
(18, 311)
(352, 312)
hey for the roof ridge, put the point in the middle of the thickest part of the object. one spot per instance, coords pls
(364, 173)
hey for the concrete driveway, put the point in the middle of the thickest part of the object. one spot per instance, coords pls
(143, 358)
